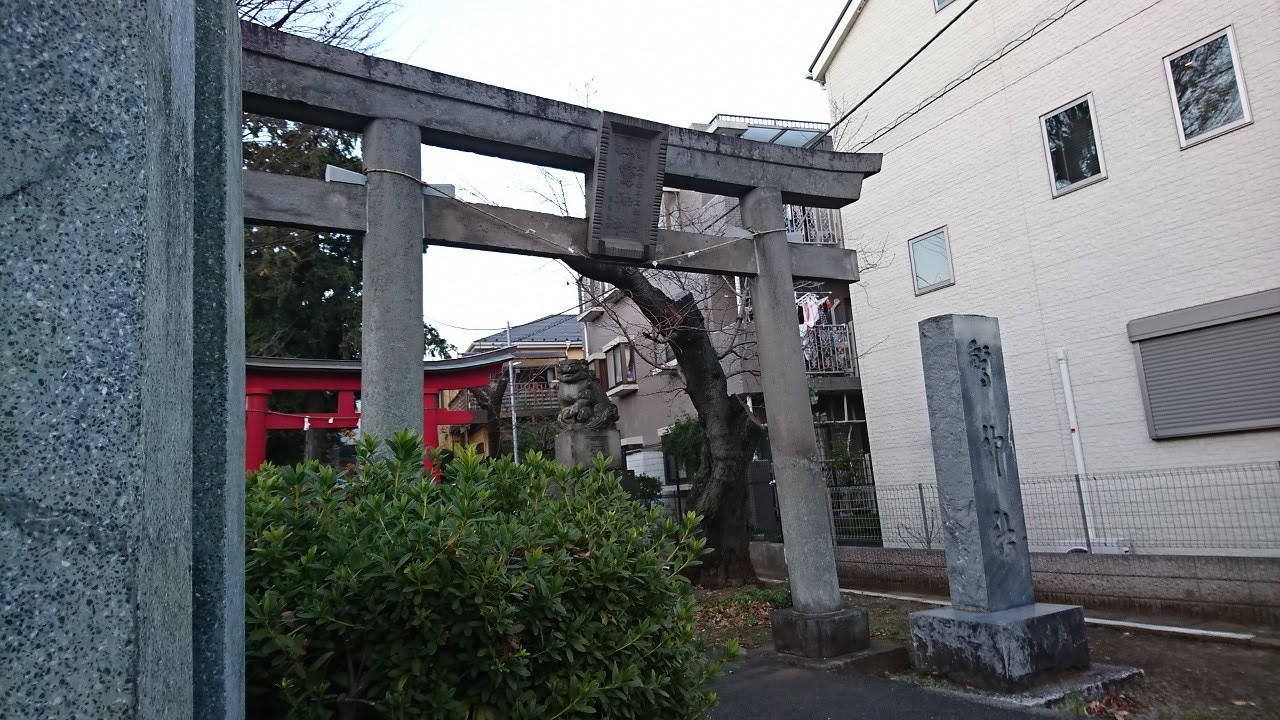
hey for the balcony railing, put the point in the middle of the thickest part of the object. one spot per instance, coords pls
(819, 226)
(532, 398)
(828, 350)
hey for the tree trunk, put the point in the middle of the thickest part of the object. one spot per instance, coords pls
(729, 433)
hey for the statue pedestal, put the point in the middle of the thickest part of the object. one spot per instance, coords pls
(579, 447)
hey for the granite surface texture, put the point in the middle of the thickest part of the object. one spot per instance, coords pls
(217, 483)
(983, 529)
(1003, 650)
(96, 122)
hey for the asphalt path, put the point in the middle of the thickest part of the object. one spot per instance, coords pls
(760, 688)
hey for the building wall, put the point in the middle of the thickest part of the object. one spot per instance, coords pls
(1167, 229)
(659, 400)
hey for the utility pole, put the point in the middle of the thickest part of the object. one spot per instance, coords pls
(511, 386)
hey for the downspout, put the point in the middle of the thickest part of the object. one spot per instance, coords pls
(1086, 508)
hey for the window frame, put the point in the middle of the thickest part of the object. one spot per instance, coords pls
(624, 352)
(1097, 145)
(911, 256)
(939, 5)
(1247, 119)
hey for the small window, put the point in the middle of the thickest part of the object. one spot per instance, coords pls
(1207, 88)
(1071, 146)
(621, 365)
(931, 261)
(939, 4)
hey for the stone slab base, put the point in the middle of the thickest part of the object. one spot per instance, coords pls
(883, 657)
(825, 635)
(579, 447)
(1006, 650)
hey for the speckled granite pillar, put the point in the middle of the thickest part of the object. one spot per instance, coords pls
(96, 117)
(217, 492)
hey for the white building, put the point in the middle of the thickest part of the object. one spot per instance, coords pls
(1104, 178)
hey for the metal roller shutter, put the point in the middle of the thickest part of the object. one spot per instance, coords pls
(1213, 379)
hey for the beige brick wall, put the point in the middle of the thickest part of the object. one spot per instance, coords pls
(1168, 228)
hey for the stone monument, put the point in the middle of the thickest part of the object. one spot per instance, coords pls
(995, 634)
(588, 420)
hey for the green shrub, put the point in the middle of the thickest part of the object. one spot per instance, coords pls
(648, 490)
(507, 591)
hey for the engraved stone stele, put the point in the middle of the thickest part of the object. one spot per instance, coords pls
(626, 188)
(588, 420)
(994, 634)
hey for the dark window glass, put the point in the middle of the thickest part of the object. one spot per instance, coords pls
(1073, 149)
(1204, 84)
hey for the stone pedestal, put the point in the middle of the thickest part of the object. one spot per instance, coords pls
(822, 635)
(579, 447)
(1003, 650)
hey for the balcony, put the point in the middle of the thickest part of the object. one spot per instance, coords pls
(814, 226)
(532, 398)
(829, 350)
(592, 295)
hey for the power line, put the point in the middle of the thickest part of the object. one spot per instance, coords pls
(892, 75)
(1033, 71)
(1008, 48)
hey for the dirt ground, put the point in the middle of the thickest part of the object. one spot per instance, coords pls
(1185, 679)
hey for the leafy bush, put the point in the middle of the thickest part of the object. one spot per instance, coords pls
(648, 489)
(507, 591)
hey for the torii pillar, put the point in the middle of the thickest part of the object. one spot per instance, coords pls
(392, 336)
(816, 625)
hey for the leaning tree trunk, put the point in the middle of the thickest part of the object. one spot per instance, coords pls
(729, 433)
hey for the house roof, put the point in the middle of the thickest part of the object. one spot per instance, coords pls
(558, 329)
(839, 31)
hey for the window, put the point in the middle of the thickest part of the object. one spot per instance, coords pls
(939, 4)
(1210, 368)
(931, 261)
(1207, 88)
(620, 364)
(1071, 146)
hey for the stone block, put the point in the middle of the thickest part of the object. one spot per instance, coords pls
(627, 181)
(1004, 650)
(821, 635)
(984, 531)
(579, 447)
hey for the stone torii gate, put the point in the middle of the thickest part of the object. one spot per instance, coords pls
(627, 162)
(121, 487)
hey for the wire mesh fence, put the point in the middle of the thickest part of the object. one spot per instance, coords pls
(1209, 510)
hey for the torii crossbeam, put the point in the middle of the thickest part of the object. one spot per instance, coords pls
(627, 161)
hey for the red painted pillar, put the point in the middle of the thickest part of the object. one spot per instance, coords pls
(255, 430)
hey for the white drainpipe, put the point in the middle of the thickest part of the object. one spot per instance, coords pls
(1076, 446)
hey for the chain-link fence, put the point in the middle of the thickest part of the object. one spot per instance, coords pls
(1210, 510)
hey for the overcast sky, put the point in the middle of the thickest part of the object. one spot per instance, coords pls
(674, 62)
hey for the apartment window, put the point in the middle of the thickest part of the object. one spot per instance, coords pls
(939, 4)
(620, 364)
(931, 261)
(1207, 88)
(1210, 368)
(1071, 146)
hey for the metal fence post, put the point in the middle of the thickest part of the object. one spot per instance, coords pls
(924, 520)
(1084, 515)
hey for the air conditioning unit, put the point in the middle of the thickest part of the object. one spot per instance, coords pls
(1101, 546)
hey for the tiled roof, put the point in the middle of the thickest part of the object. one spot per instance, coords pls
(550, 329)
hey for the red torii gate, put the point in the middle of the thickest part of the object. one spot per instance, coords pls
(264, 376)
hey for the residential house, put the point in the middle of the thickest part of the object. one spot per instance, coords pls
(538, 346)
(639, 372)
(1103, 178)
